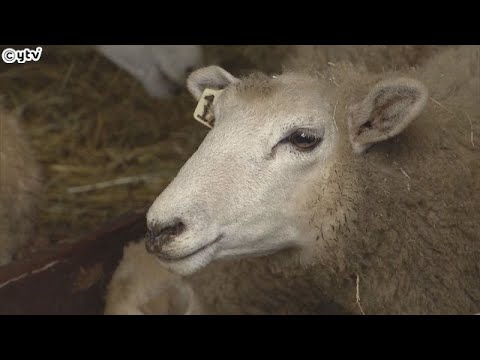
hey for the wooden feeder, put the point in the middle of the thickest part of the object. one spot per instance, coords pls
(69, 279)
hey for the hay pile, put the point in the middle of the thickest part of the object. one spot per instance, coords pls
(90, 122)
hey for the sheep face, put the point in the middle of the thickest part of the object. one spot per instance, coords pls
(247, 191)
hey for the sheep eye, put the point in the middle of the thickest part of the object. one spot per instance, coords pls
(304, 140)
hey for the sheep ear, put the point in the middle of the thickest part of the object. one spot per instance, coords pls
(211, 77)
(386, 111)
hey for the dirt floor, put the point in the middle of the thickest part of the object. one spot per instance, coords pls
(90, 122)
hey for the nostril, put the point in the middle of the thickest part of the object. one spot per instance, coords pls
(159, 235)
(172, 230)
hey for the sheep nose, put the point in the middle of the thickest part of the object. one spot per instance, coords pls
(159, 235)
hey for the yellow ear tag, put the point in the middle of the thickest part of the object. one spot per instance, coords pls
(204, 110)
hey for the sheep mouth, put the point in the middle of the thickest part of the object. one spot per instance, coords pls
(171, 259)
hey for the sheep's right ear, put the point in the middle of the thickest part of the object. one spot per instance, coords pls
(386, 111)
(211, 77)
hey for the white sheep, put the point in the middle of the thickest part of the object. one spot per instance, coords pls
(162, 69)
(340, 191)
(19, 186)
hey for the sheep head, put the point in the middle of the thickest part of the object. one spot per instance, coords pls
(248, 189)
